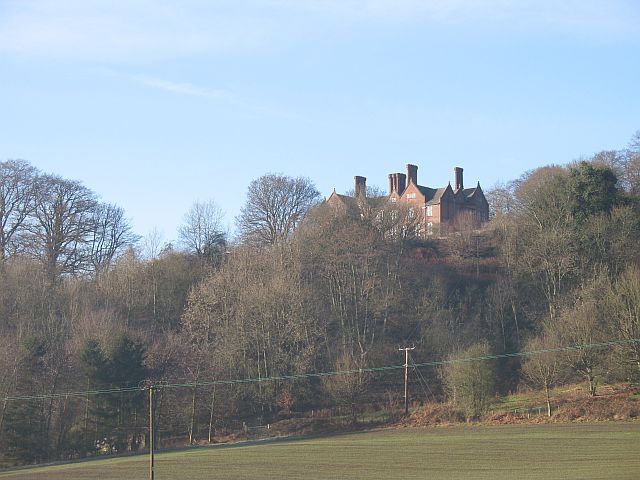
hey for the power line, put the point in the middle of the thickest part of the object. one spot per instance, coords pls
(302, 376)
(396, 367)
(423, 383)
(72, 394)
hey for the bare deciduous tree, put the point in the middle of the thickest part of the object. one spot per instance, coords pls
(110, 236)
(624, 163)
(17, 195)
(275, 206)
(631, 175)
(201, 231)
(347, 389)
(470, 379)
(623, 309)
(543, 369)
(62, 224)
(152, 244)
(545, 227)
(583, 326)
(355, 263)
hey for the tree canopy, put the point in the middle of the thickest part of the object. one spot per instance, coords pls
(275, 206)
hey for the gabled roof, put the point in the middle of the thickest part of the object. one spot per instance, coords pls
(470, 192)
(437, 196)
(427, 192)
(358, 203)
(432, 196)
(346, 200)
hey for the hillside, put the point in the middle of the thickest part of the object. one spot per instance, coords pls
(312, 321)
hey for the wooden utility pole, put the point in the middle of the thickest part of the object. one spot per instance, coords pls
(406, 377)
(151, 387)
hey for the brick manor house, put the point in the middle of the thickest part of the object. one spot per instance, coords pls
(433, 210)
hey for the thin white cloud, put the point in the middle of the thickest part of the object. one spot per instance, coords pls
(187, 89)
(124, 30)
(249, 107)
(102, 30)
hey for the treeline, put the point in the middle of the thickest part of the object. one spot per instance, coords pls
(304, 289)
(58, 222)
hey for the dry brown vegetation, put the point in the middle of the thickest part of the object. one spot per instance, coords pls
(84, 309)
(571, 404)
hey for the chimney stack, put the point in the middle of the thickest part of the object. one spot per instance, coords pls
(458, 176)
(412, 174)
(360, 186)
(401, 183)
(397, 183)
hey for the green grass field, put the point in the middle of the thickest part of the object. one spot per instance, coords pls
(569, 451)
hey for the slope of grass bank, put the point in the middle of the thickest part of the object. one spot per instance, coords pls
(568, 404)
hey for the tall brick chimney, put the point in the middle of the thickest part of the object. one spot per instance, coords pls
(401, 183)
(458, 178)
(397, 183)
(412, 174)
(360, 186)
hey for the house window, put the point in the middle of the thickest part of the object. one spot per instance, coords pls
(429, 229)
(412, 212)
(429, 211)
(411, 196)
(393, 199)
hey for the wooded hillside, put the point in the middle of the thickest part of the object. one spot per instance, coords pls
(304, 290)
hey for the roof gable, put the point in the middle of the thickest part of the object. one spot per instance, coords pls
(414, 189)
(471, 192)
(337, 199)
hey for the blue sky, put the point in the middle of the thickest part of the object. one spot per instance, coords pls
(157, 104)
